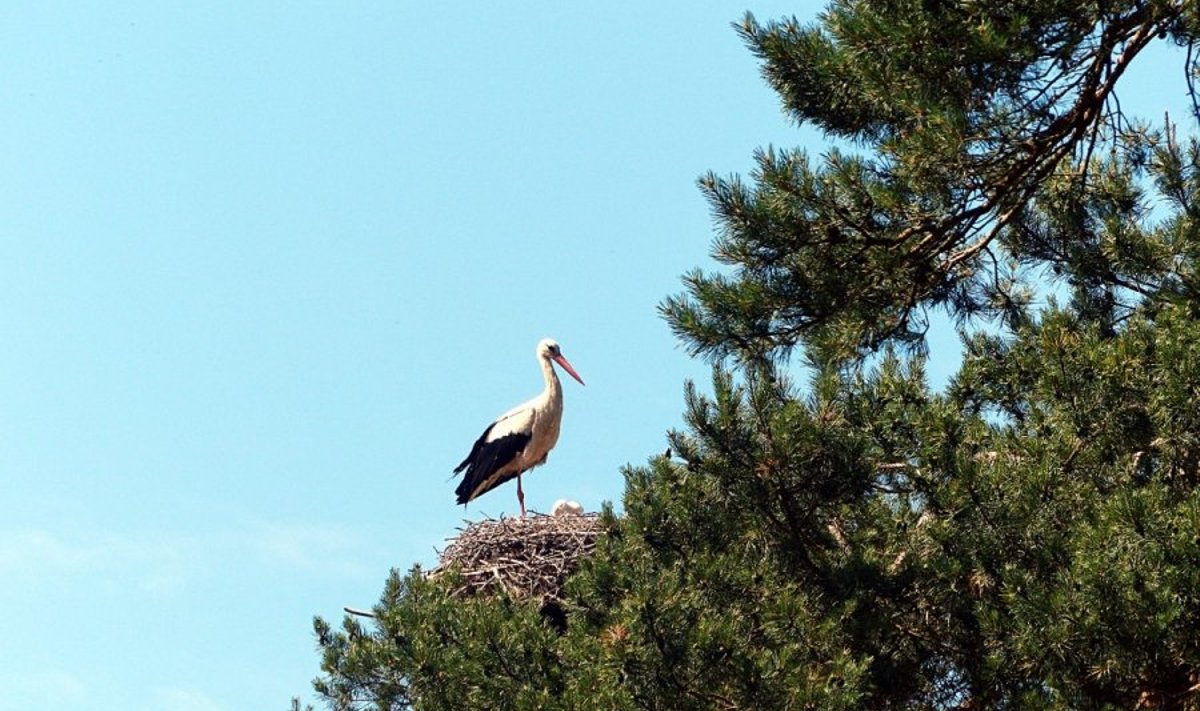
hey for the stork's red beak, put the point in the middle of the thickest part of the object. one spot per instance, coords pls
(567, 367)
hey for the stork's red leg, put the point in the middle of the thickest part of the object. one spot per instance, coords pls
(520, 496)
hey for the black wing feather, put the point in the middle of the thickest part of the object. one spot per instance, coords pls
(484, 460)
(474, 449)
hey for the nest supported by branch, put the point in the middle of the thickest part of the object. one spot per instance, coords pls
(529, 559)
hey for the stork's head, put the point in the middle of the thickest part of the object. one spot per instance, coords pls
(548, 349)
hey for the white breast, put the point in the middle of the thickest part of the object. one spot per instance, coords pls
(547, 417)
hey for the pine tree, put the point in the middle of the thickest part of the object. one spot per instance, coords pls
(833, 534)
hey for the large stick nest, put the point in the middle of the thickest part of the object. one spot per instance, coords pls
(529, 559)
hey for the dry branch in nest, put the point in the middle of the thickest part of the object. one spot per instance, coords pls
(529, 559)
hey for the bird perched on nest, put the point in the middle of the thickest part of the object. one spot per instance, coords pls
(521, 438)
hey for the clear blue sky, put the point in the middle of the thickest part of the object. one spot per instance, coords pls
(266, 272)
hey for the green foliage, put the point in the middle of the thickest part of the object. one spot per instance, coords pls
(434, 651)
(992, 140)
(1027, 538)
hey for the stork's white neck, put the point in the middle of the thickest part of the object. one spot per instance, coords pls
(553, 388)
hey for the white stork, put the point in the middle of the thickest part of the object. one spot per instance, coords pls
(521, 438)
